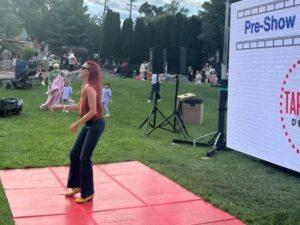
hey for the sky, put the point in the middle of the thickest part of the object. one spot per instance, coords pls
(96, 6)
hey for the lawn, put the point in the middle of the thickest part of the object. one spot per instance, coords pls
(254, 191)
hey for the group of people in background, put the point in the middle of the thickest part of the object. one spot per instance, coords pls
(207, 75)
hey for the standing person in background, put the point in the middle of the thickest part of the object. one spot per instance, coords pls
(155, 87)
(72, 60)
(13, 63)
(190, 73)
(36, 63)
(143, 71)
(198, 78)
(206, 70)
(81, 171)
(106, 98)
(65, 61)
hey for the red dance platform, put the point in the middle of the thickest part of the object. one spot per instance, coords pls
(127, 193)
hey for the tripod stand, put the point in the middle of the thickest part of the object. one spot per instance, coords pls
(177, 126)
(151, 119)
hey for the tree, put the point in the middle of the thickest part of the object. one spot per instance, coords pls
(149, 12)
(146, 9)
(158, 29)
(127, 38)
(10, 24)
(63, 28)
(213, 19)
(166, 27)
(111, 32)
(176, 30)
(174, 7)
(192, 42)
(95, 35)
(32, 12)
(140, 47)
(151, 28)
(172, 28)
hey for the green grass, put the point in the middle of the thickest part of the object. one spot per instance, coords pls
(254, 191)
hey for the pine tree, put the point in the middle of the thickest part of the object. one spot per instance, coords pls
(193, 44)
(111, 33)
(166, 30)
(140, 51)
(157, 40)
(127, 38)
(95, 35)
(176, 30)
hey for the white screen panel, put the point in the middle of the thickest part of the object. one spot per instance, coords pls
(264, 81)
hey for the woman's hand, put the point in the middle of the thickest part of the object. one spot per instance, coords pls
(56, 108)
(74, 127)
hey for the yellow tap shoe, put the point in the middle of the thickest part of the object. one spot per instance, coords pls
(73, 192)
(83, 200)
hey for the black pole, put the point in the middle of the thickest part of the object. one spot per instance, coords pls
(155, 98)
(222, 117)
(175, 98)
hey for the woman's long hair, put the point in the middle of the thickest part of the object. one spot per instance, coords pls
(95, 78)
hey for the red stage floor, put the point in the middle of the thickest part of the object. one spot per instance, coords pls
(127, 193)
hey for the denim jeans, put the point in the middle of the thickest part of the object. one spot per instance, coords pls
(153, 91)
(81, 168)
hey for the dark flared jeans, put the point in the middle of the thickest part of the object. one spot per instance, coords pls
(154, 88)
(81, 168)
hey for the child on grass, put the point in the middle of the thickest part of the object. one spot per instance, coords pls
(106, 98)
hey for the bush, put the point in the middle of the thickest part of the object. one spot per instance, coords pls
(27, 53)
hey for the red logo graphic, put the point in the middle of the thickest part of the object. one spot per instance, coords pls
(290, 106)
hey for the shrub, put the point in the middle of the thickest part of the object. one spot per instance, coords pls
(27, 53)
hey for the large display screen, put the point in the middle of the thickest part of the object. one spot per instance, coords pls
(264, 81)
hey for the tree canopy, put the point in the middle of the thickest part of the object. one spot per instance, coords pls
(67, 22)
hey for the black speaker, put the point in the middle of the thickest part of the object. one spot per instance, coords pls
(176, 60)
(156, 60)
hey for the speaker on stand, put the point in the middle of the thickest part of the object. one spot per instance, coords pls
(176, 64)
(156, 58)
(157, 63)
(176, 60)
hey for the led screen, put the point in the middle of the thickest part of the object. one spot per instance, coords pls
(264, 81)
